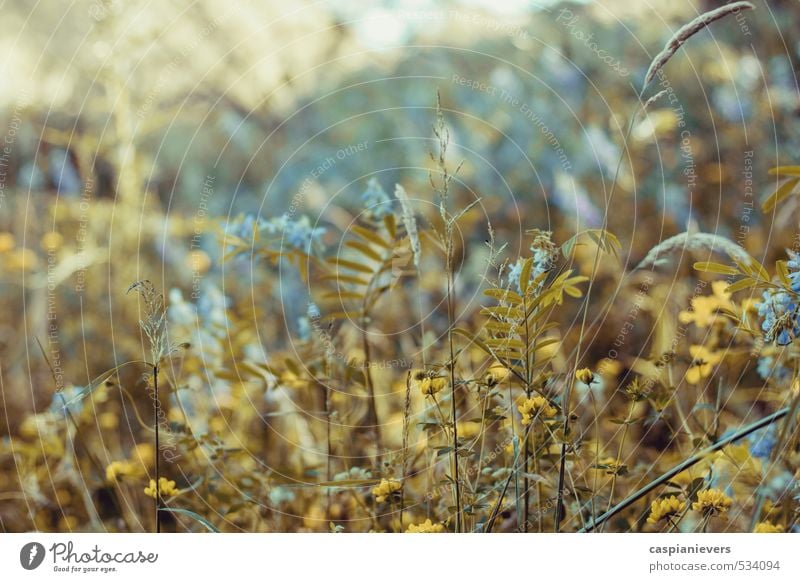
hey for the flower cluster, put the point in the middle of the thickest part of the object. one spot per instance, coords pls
(703, 362)
(166, 488)
(531, 407)
(544, 255)
(386, 489)
(428, 384)
(298, 234)
(779, 312)
(376, 200)
(712, 502)
(665, 509)
(705, 308)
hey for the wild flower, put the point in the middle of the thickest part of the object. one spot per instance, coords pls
(712, 502)
(762, 442)
(428, 384)
(544, 255)
(166, 488)
(585, 376)
(665, 509)
(779, 312)
(116, 470)
(531, 407)
(426, 527)
(769, 369)
(496, 374)
(386, 490)
(705, 308)
(703, 362)
(376, 201)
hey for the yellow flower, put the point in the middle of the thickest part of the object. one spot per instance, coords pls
(118, 469)
(585, 375)
(704, 308)
(665, 508)
(768, 527)
(712, 502)
(496, 374)
(165, 486)
(428, 385)
(613, 466)
(385, 490)
(426, 527)
(703, 362)
(530, 407)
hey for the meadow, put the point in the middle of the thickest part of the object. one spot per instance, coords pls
(510, 286)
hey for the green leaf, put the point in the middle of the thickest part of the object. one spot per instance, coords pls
(352, 265)
(779, 195)
(525, 275)
(708, 267)
(785, 171)
(741, 284)
(364, 249)
(367, 234)
(504, 295)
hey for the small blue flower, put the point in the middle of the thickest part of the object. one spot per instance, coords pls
(376, 201)
(514, 274)
(768, 369)
(793, 264)
(762, 442)
(779, 312)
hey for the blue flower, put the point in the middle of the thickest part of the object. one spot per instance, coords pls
(376, 201)
(769, 368)
(514, 274)
(793, 264)
(762, 442)
(779, 312)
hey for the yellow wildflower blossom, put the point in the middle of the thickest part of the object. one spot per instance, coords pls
(496, 374)
(530, 407)
(428, 385)
(426, 527)
(712, 502)
(118, 469)
(385, 489)
(585, 375)
(165, 486)
(665, 508)
(703, 362)
(704, 308)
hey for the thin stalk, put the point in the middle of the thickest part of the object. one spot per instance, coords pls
(452, 366)
(619, 456)
(156, 410)
(679, 468)
(373, 409)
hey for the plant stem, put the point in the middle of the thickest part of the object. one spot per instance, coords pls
(454, 408)
(691, 461)
(156, 410)
(373, 409)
